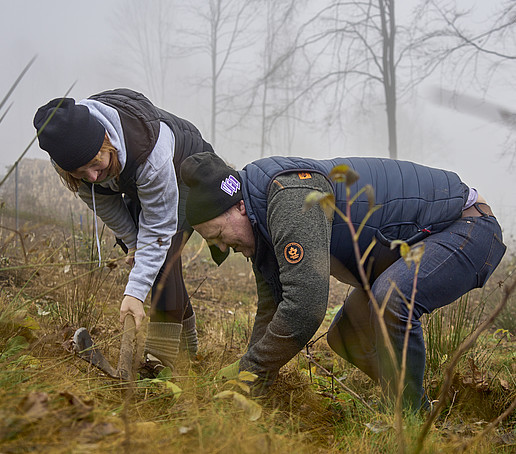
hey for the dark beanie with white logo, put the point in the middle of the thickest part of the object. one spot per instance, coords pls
(72, 137)
(214, 187)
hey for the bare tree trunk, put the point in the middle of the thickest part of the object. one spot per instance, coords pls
(215, 19)
(388, 22)
(145, 36)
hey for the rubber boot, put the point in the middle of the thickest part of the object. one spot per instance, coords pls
(189, 341)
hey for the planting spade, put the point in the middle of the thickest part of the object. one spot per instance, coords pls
(131, 351)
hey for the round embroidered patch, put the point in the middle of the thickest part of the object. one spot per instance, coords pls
(293, 252)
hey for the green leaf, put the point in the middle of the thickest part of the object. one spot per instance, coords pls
(14, 345)
(343, 174)
(325, 199)
(338, 173)
(228, 372)
(165, 374)
(243, 386)
(30, 323)
(247, 376)
(174, 388)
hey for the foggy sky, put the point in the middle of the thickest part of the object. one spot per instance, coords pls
(78, 42)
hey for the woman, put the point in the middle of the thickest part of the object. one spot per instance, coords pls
(122, 155)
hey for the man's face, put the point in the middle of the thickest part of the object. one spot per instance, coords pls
(231, 229)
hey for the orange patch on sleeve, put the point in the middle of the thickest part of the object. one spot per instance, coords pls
(293, 252)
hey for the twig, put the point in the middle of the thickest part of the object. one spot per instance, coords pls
(21, 240)
(33, 140)
(448, 374)
(17, 81)
(330, 374)
(190, 260)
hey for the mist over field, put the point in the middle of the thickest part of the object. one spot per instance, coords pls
(430, 81)
(275, 85)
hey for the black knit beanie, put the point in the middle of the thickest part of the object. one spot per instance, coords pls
(214, 187)
(72, 137)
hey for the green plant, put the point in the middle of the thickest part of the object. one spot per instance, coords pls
(445, 329)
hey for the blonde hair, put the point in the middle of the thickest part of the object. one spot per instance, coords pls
(113, 169)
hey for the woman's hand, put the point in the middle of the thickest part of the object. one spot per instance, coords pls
(133, 306)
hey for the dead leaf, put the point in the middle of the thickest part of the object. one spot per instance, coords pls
(183, 430)
(92, 433)
(111, 264)
(504, 384)
(477, 378)
(247, 376)
(343, 174)
(68, 345)
(252, 409)
(338, 173)
(35, 405)
(378, 426)
(243, 386)
(82, 408)
(145, 428)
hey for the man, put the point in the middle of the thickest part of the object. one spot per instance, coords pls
(259, 212)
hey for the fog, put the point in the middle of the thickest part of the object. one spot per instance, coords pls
(82, 43)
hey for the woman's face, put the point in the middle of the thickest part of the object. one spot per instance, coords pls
(94, 171)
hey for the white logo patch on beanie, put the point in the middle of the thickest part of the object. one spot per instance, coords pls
(230, 185)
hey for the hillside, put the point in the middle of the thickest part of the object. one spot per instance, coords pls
(41, 194)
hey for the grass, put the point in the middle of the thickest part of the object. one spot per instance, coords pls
(52, 401)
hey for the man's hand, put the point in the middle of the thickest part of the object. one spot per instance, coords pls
(129, 259)
(133, 306)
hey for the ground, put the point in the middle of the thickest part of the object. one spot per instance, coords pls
(53, 401)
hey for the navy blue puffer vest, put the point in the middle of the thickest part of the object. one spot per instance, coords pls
(414, 200)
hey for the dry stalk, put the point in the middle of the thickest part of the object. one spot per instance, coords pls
(21, 240)
(197, 253)
(379, 311)
(131, 354)
(401, 379)
(399, 372)
(343, 386)
(448, 373)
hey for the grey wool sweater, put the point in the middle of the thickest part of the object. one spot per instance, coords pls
(301, 241)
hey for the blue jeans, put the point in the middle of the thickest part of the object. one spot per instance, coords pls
(455, 261)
